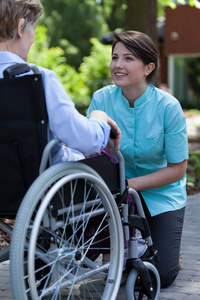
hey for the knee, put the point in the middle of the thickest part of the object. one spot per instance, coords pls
(168, 268)
(167, 277)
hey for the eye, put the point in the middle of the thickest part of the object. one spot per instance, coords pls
(130, 58)
(114, 57)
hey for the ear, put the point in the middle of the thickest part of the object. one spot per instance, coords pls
(20, 27)
(149, 68)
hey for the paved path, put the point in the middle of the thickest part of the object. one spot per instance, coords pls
(187, 284)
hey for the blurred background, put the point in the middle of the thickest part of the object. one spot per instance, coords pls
(74, 39)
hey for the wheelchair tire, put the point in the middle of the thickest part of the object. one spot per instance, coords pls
(134, 286)
(51, 229)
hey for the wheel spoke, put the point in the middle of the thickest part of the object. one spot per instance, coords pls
(72, 222)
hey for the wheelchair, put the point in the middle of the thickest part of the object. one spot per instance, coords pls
(68, 216)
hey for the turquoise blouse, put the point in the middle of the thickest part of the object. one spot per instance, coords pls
(153, 133)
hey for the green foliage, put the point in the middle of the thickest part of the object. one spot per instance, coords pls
(190, 180)
(80, 85)
(74, 22)
(193, 112)
(173, 3)
(53, 58)
(113, 12)
(194, 162)
(96, 67)
(193, 167)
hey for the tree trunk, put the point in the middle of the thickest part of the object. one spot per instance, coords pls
(141, 16)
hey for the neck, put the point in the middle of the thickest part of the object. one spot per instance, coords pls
(3, 47)
(132, 93)
(8, 45)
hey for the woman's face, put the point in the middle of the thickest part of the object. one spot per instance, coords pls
(127, 70)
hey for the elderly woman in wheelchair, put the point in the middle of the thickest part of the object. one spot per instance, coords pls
(72, 213)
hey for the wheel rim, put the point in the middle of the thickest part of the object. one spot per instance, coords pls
(72, 265)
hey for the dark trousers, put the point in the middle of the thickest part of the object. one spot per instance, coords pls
(166, 231)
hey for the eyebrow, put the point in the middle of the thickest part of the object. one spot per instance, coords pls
(125, 54)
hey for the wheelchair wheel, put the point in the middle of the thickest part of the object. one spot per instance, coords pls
(66, 222)
(134, 286)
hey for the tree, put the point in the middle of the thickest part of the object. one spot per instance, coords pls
(71, 24)
(141, 16)
(113, 12)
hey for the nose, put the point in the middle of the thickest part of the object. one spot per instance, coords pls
(119, 63)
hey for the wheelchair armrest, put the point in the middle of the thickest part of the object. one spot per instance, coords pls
(120, 159)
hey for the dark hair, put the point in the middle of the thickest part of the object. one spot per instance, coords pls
(142, 46)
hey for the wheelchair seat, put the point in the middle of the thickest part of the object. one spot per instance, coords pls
(23, 134)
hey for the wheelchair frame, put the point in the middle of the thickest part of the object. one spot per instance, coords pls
(50, 254)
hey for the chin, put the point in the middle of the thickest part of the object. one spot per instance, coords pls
(120, 84)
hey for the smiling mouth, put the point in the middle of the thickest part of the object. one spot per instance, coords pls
(120, 74)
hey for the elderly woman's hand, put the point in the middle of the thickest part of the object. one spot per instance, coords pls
(104, 117)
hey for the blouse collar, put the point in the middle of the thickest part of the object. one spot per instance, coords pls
(139, 101)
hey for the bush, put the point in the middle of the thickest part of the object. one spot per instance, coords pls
(53, 59)
(95, 68)
(193, 167)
